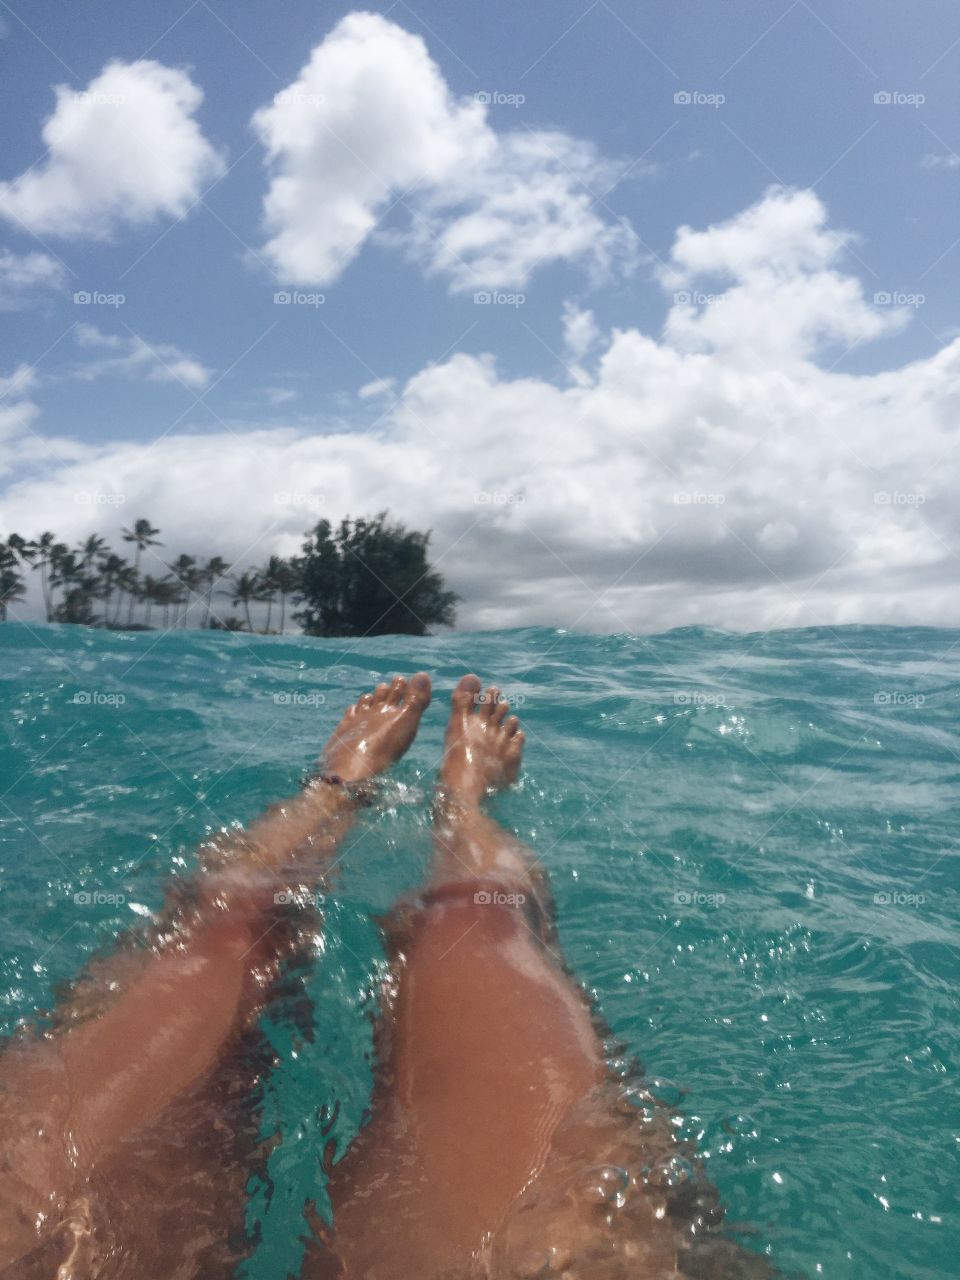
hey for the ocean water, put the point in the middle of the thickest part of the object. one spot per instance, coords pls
(754, 848)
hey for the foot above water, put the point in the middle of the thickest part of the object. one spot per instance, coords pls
(377, 729)
(484, 744)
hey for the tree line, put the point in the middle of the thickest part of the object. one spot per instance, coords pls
(366, 577)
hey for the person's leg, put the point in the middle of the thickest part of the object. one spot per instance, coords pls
(66, 1102)
(500, 1145)
(489, 1043)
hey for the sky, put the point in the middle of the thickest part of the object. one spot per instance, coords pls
(649, 312)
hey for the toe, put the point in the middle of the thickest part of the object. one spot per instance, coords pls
(512, 756)
(491, 700)
(465, 694)
(417, 690)
(499, 712)
(395, 696)
(380, 693)
(366, 701)
(512, 725)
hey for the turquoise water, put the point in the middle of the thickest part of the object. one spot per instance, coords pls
(754, 851)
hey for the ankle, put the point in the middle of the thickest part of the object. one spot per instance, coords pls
(458, 805)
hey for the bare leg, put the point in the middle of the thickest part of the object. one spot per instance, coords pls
(500, 1146)
(490, 1046)
(67, 1102)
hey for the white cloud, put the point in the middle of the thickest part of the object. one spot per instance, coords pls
(370, 125)
(21, 275)
(581, 334)
(125, 150)
(132, 356)
(693, 478)
(18, 412)
(17, 385)
(779, 293)
(280, 395)
(580, 331)
(378, 388)
(949, 160)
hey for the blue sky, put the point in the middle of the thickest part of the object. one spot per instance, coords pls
(788, 100)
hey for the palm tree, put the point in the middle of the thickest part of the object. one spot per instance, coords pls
(63, 570)
(112, 568)
(187, 572)
(211, 574)
(151, 591)
(243, 588)
(144, 535)
(269, 577)
(21, 548)
(90, 549)
(12, 586)
(286, 578)
(80, 587)
(39, 552)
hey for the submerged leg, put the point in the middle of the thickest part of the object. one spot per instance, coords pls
(500, 1146)
(489, 1045)
(67, 1102)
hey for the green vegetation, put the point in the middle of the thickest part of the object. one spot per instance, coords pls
(369, 577)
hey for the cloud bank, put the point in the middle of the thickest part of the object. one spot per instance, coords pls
(721, 472)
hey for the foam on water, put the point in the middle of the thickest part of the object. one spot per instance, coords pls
(753, 844)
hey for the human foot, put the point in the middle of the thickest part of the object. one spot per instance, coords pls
(377, 729)
(483, 745)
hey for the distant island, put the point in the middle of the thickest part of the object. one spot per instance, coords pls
(367, 577)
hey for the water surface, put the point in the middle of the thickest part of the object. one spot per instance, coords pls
(753, 843)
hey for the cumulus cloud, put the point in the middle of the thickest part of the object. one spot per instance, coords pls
(23, 275)
(682, 479)
(129, 355)
(779, 293)
(123, 151)
(370, 126)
